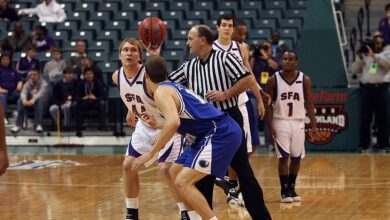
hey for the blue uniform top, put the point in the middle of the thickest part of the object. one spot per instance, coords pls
(197, 116)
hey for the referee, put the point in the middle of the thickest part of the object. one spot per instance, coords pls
(219, 77)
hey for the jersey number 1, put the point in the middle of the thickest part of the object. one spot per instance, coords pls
(290, 109)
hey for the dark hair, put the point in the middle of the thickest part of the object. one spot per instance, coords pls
(35, 69)
(387, 7)
(88, 69)
(291, 51)
(7, 55)
(156, 68)
(205, 31)
(56, 49)
(226, 17)
(67, 70)
(256, 52)
(42, 28)
(240, 22)
(32, 47)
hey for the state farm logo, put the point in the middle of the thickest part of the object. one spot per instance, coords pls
(331, 119)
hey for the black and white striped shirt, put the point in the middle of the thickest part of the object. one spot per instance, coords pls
(219, 72)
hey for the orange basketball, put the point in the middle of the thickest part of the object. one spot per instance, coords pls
(152, 30)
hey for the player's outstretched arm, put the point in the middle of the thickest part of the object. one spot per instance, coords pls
(166, 102)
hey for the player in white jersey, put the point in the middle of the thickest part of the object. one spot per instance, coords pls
(290, 91)
(130, 79)
(224, 42)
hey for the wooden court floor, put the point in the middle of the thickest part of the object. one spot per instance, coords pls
(332, 186)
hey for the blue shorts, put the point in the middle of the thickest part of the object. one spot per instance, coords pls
(213, 153)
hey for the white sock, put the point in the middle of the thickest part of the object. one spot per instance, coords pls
(181, 206)
(132, 203)
(214, 218)
(194, 215)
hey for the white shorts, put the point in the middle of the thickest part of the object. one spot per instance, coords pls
(290, 138)
(142, 141)
(246, 127)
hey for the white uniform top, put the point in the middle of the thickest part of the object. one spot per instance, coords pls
(290, 99)
(233, 48)
(134, 94)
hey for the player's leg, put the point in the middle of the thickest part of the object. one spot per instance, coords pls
(132, 188)
(297, 153)
(185, 183)
(282, 150)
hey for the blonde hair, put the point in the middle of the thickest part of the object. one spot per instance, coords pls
(134, 42)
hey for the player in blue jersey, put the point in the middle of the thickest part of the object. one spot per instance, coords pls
(215, 136)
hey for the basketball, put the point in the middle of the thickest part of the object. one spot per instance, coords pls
(152, 30)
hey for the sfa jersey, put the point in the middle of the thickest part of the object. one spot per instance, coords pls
(290, 98)
(134, 94)
(215, 136)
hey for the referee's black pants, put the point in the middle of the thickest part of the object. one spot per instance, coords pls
(250, 188)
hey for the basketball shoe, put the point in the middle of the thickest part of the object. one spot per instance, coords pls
(235, 197)
(294, 196)
(285, 197)
(184, 215)
(224, 184)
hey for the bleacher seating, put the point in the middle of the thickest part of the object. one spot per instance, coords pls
(105, 23)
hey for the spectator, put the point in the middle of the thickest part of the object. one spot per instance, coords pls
(18, 41)
(278, 46)
(384, 25)
(41, 39)
(7, 13)
(27, 63)
(10, 82)
(81, 52)
(48, 11)
(63, 94)
(33, 95)
(86, 62)
(90, 94)
(264, 65)
(373, 62)
(53, 69)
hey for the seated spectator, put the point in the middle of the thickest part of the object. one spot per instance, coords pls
(42, 41)
(90, 95)
(63, 94)
(7, 13)
(27, 63)
(384, 25)
(53, 69)
(81, 52)
(34, 95)
(86, 62)
(278, 46)
(10, 82)
(48, 11)
(17, 42)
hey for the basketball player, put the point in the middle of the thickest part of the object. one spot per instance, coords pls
(290, 91)
(3, 147)
(216, 136)
(224, 42)
(130, 79)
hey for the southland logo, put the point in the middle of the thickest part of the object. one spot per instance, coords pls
(331, 119)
